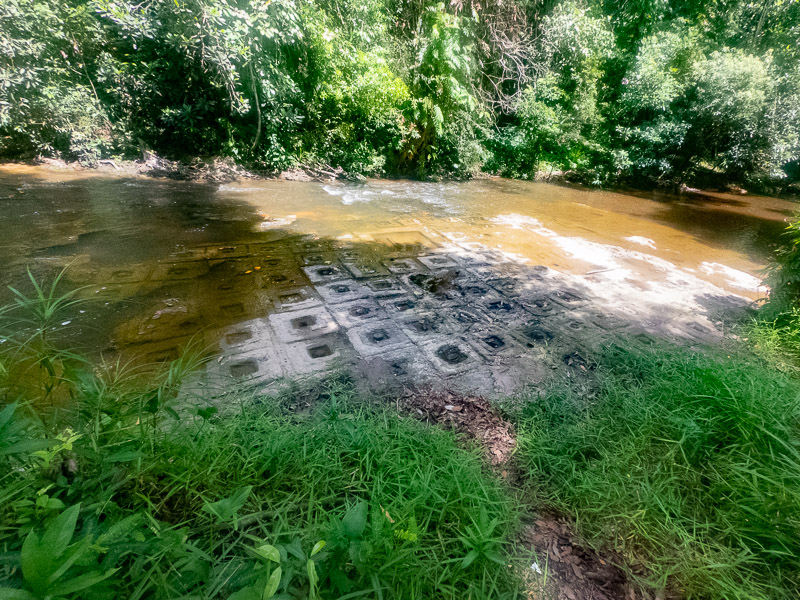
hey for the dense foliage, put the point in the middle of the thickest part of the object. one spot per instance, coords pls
(339, 503)
(648, 90)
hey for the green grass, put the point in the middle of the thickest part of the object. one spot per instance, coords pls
(685, 463)
(776, 338)
(180, 509)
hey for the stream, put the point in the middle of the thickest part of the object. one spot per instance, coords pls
(484, 285)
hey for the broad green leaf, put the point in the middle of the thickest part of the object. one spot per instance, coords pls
(317, 547)
(269, 552)
(272, 584)
(228, 508)
(248, 593)
(355, 521)
(313, 578)
(81, 582)
(36, 562)
(70, 558)
(295, 548)
(6, 414)
(59, 534)
(46, 502)
(26, 447)
(469, 559)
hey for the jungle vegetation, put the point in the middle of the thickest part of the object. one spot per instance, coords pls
(642, 91)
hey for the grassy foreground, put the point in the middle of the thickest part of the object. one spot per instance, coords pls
(688, 464)
(342, 503)
(114, 484)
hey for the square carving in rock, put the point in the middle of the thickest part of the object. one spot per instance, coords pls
(179, 270)
(318, 258)
(352, 314)
(292, 299)
(451, 356)
(423, 327)
(344, 290)
(324, 273)
(282, 278)
(259, 364)
(508, 286)
(402, 265)
(376, 337)
(366, 269)
(301, 325)
(438, 261)
(227, 251)
(313, 356)
(490, 341)
(385, 287)
(244, 336)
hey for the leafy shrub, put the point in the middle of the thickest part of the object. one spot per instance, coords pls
(557, 120)
(784, 272)
(445, 119)
(651, 122)
(355, 119)
(731, 93)
(652, 92)
(48, 104)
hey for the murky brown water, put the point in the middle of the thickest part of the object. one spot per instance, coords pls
(165, 260)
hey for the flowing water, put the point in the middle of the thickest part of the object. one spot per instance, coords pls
(488, 283)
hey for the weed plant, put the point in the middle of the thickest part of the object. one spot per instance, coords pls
(776, 338)
(688, 464)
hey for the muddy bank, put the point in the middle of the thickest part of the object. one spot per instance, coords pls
(213, 170)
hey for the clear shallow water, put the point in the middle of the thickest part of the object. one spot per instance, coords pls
(160, 261)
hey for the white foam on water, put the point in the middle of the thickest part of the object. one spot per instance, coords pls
(333, 191)
(734, 277)
(349, 195)
(270, 222)
(638, 239)
(455, 236)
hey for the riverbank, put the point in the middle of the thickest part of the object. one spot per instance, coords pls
(218, 170)
(602, 408)
(226, 170)
(671, 474)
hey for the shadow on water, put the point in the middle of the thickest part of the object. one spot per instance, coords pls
(751, 225)
(416, 278)
(752, 235)
(113, 220)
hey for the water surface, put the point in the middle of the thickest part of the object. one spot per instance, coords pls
(160, 261)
